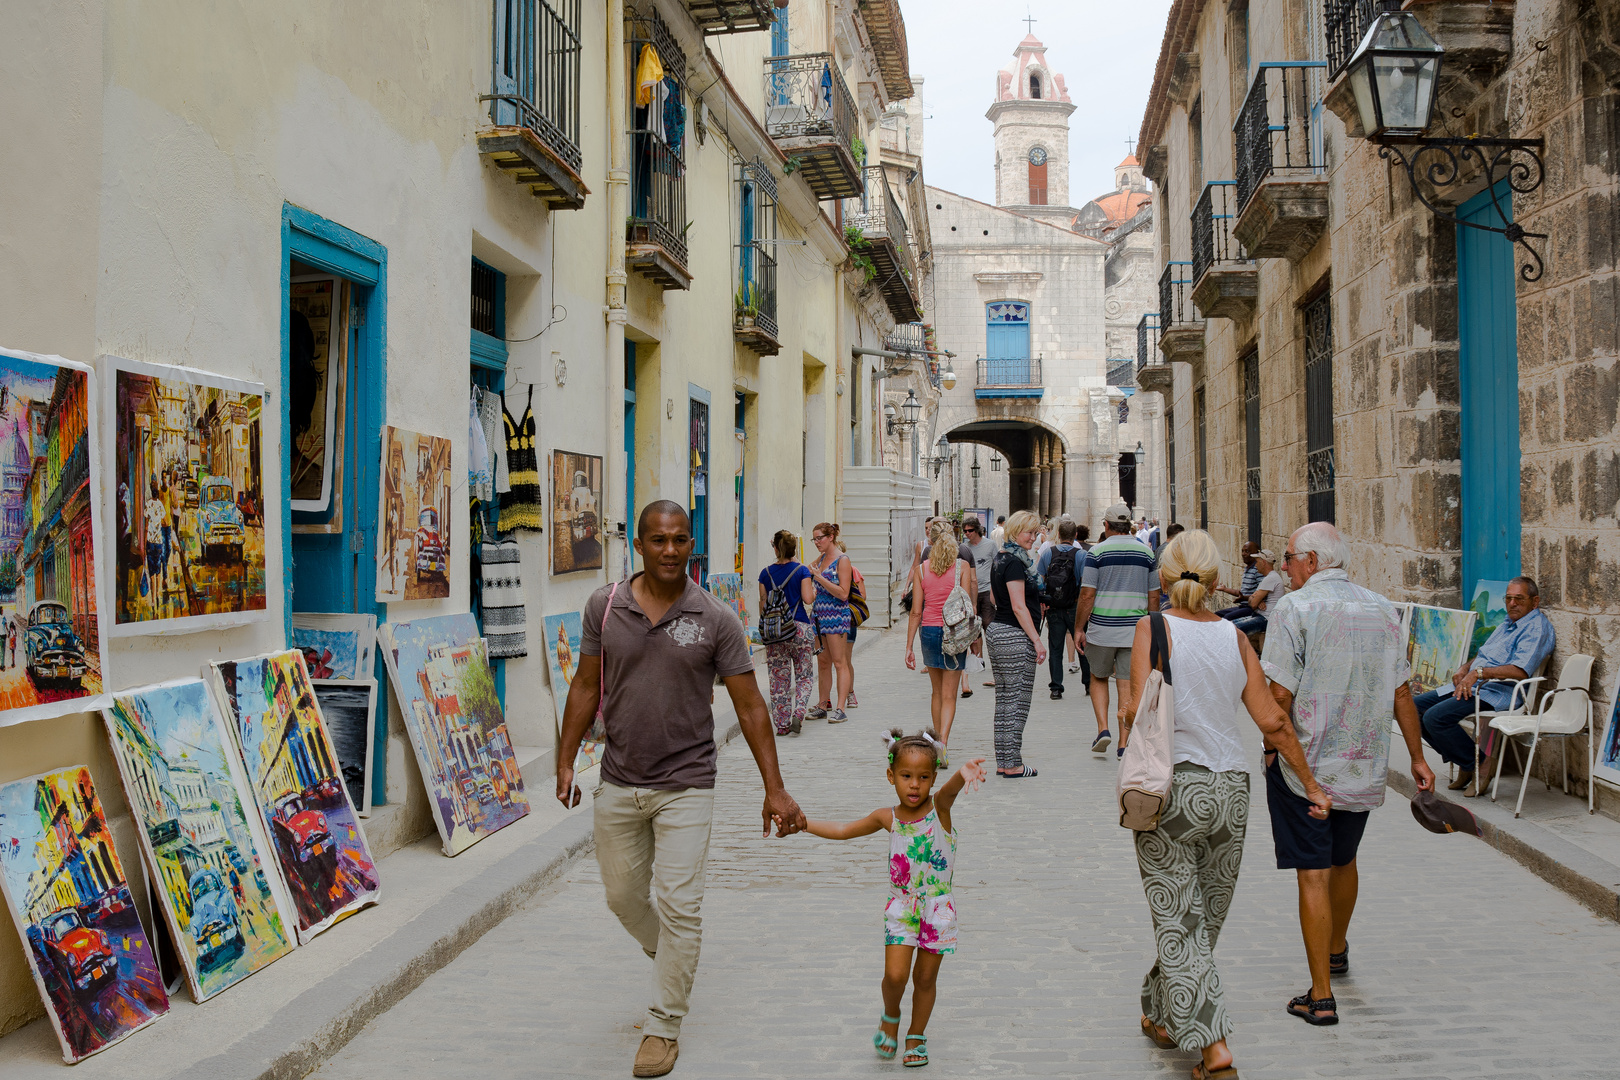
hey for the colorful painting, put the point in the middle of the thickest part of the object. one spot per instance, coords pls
(297, 785)
(729, 589)
(562, 656)
(413, 562)
(190, 502)
(184, 781)
(447, 696)
(313, 309)
(576, 528)
(349, 707)
(1490, 611)
(1607, 766)
(51, 653)
(1436, 645)
(335, 646)
(73, 906)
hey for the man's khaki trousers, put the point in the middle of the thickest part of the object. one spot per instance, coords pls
(647, 837)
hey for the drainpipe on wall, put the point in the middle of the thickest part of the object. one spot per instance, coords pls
(618, 197)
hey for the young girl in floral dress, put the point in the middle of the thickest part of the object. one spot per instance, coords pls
(920, 919)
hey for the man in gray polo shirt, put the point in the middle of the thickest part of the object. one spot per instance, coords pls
(659, 642)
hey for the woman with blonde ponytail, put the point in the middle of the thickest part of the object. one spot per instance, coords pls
(931, 582)
(1189, 864)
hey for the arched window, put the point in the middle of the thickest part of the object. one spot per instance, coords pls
(1035, 87)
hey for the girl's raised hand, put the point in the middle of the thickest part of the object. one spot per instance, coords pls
(972, 773)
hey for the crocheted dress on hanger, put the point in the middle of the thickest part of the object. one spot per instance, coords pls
(520, 507)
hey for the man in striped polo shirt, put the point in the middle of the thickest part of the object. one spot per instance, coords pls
(1117, 588)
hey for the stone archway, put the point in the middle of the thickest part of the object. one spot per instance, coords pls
(1035, 456)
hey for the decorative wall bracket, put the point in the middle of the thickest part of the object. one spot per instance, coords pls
(1444, 165)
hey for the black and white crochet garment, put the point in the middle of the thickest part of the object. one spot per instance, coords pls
(505, 617)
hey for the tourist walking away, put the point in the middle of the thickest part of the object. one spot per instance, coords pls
(1061, 567)
(931, 583)
(652, 649)
(1189, 862)
(1515, 650)
(833, 577)
(919, 921)
(1118, 587)
(1336, 659)
(1250, 616)
(1014, 640)
(982, 550)
(786, 596)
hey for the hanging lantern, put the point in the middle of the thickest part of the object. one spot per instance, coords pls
(1393, 74)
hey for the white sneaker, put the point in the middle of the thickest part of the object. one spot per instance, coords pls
(1074, 667)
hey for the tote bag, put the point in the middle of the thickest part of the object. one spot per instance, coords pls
(1143, 782)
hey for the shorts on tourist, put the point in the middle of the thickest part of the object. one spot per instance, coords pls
(987, 607)
(933, 650)
(1109, 661)
(923, 922)
(1304, 842)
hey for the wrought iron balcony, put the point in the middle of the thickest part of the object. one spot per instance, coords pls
(908, 337)
(1344, 22)
(1225, 282)
(534, 99)
(755, 320)
(1281, 182)
(731, 16)
(655, 234)
(811, 115)
(1147, 340)
(1009, 377)
(884, 243)
(1175, 296)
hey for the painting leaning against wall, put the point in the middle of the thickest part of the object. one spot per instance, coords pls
(189, 493)
(576, 524)
(72, 904)
(1436, 645)
(413, 556)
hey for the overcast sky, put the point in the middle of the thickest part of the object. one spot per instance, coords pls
(1104, 51)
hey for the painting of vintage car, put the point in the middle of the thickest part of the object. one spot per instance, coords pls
(220, 530)
(215, 925)
(429, 549)
(302, 833)
(52, 653)
(81, 955)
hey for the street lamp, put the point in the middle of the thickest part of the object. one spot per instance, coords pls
(890, 417)
(948, 378)
(1139, 453)
(1393, 74)
(995, 461)
(974, 468)
(942, 454)
(911, 408)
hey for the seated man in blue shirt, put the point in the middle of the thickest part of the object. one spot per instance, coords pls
(1515, 650)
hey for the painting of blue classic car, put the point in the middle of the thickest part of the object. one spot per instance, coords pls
(215, 924)
(220, 529)
(53, 653)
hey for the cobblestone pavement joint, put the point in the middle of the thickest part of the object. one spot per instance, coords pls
(1464, 964)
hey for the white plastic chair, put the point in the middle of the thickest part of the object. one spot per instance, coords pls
(1563, 712)
(1519, 702)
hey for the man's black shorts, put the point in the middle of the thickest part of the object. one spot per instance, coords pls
(1304, 842)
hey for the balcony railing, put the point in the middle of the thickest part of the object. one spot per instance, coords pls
(910, 337)
(656, 230)
(1212, 239)
(1273, 130)
(731, 16)
(1175, 295)
(810, 114)
(756, 298)
(1009, 376)
(534, 98)
(1147, 340)
(876, 215)
(1344, 22)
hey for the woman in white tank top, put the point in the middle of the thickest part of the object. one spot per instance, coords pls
(1190, 863)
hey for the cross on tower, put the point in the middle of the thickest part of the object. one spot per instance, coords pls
(1130, 145)
(1029, 20)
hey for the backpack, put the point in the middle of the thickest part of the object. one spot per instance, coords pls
(1142, 784)
(1062, 589)
(961, 620)
(776, 614)
(859, 612)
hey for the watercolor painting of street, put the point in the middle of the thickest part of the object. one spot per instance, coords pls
(296, 782)
(1437, 645)
(72, 903)
(413, 562)
(447, 696)
(183, 780)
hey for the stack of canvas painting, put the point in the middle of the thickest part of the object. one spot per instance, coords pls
(72, 903)
(207, 859)
(1436, 645)
(413, 561)
(297, 784)
(453, 716)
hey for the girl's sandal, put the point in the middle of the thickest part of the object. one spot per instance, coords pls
(1306, 1009)
(885, 1043)
(916, 1056)
(1151, 1030)
(1200, 1072)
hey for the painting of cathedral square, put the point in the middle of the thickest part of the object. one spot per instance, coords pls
(71, 900)
(207, 863)
(296, 781)
(52, 654)
(186, 468)
(447, 696)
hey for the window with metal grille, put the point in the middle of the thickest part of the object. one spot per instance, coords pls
(1319, 467)
(537, 64)
(1251, 439)
(1200, 418)
(1170, 456)
(485, 299)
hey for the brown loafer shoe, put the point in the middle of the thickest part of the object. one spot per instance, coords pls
(656, 1057)
(1462, 781)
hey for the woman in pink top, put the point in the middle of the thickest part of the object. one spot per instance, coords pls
(931, 583)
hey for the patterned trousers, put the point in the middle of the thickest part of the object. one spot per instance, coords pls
(793, 676)
(1189, 870)
(1012, 661)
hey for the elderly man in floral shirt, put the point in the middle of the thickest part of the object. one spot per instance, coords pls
(1337, 664)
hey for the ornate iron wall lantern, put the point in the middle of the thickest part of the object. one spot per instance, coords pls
(1394, 74)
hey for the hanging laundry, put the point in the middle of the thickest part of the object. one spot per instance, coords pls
(489, 415)
(826, 90)
(480, 469)
(505, 616)
(520, 507)
(649, 73)
(674, 114)
(656, 114)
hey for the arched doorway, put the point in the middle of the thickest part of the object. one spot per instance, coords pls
(1032, 462)
(1127, 478)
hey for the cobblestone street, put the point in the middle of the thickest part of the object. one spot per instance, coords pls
(1463, 963)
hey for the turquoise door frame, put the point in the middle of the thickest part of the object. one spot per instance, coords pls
(1488, 378)
(337, 572)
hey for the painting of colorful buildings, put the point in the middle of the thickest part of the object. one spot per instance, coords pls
(456, 725)
(413, 562)
(69, 896)
(209, 867)
(296, 781)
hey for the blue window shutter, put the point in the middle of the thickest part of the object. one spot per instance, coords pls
(506, 60)
(779, 32)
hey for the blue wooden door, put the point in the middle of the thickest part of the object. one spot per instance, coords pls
(1006, 343)
(1488, 373)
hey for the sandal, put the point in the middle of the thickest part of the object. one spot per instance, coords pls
(1151, 1030)
(1020, 774)
(1200, 1072)
(1339, 962)
(916, 1056)
(885, 1043)
(1306, 1008)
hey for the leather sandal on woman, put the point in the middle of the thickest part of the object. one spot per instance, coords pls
(885, 1043)
(916, 1056)
(1151, 1030)
(1203, 1072)
(1339, 962)
(1305, 1007)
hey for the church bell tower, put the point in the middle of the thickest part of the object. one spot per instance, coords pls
(1031, 117)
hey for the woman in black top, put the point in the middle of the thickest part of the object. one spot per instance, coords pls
(1014, 639)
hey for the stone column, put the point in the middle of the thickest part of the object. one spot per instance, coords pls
(1018, 489)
